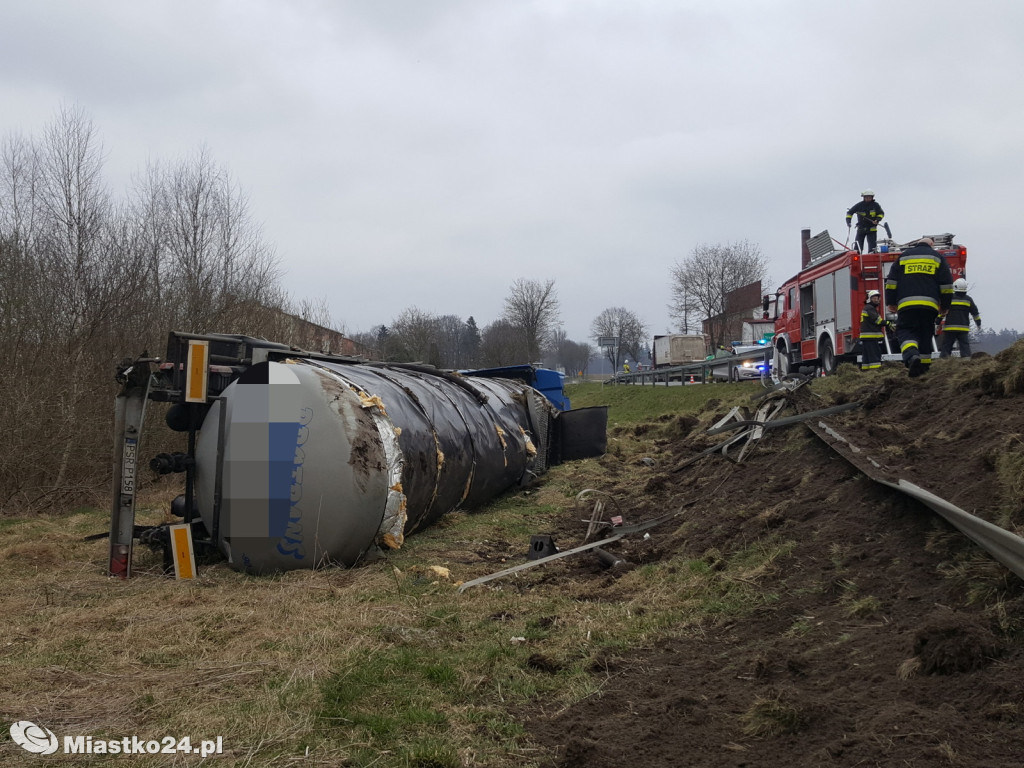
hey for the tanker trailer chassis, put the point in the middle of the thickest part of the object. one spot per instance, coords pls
(295, 459)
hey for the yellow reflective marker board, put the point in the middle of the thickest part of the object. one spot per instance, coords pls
(197, 371)
(182, 552)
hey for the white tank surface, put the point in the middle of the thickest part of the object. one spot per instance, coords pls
(324, 461)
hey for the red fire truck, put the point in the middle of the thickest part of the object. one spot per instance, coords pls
(817, 311)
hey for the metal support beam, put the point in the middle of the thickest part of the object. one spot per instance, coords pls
(129, 413)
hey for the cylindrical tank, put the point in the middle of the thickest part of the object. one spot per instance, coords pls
(307, 462)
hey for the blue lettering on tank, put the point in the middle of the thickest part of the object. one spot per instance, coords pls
(291, 542)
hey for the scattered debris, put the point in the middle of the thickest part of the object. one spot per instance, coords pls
(622, 532)
(541, 546)
(596, 518)
(608, 560)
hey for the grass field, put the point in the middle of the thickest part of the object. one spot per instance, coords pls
(380, 665)
(631, 404)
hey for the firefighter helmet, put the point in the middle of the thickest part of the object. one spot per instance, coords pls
(959, 284)
(868, 193)
(872, 294)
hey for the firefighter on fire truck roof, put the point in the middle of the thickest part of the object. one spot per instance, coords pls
(956, 325)
(919, 288)
(872, 331)
(869, 215)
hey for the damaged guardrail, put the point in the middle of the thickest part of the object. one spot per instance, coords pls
(1004, 546)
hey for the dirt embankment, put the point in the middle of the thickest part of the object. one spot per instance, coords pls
(890, 640)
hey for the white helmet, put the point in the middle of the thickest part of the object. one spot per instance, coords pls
(959, 284)
(868, 193)
(872, 294)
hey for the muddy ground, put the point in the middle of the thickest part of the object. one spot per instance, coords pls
(893, 642)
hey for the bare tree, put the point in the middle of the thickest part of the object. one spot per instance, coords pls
(219, 266)
(21, 321)
(76, 205)
(415, 334)
(450, 330)
(627, 327)
(556, 342)
(701, 282)
(502, 343)
(147, 208)
(567, 355)
(82, 276)
(686, 314)
(69, 278)
(532, 307)
(20, 193)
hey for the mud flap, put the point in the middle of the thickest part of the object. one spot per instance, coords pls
(582, 433)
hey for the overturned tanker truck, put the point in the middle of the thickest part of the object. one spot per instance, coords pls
(295, 459)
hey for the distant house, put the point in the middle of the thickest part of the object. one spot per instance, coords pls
(275, 324)
(741, 305)
(310, 336)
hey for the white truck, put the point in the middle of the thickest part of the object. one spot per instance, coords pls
(679, 349)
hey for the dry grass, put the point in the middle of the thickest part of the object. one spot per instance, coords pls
(773, 715)
(909, 668)
(380, 665)
(1009, 466)
(863, 607)
(383, 665)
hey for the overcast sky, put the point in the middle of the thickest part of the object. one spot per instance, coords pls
(428, 153)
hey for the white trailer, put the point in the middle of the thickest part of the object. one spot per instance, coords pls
(679, 348)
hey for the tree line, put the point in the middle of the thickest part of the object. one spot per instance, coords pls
(529, 330)
(87, 276)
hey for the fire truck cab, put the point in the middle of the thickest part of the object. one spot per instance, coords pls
(817, 311)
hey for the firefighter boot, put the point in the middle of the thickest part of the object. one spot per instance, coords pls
(916, 366)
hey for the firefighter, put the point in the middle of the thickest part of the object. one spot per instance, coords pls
(918, 289)
(625, 366)
(869, 215)
(956, 326)
(872, 332)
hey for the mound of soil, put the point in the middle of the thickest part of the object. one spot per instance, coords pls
(894, 640)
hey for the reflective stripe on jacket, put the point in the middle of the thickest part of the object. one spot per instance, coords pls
(961, 310)
(872, 322)
(920, 277)
(869, 214)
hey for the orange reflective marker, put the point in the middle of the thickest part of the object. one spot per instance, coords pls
(181, 550)
(198, 371)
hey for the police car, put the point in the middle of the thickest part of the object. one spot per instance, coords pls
(743, 370)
